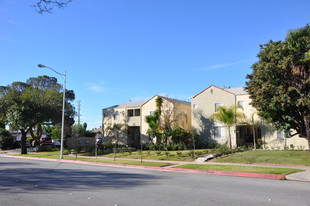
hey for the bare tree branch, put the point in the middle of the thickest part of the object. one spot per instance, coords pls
(46, 6)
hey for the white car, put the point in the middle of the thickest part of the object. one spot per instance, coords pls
(56, 142)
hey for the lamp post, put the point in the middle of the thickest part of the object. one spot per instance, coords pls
(63, 108)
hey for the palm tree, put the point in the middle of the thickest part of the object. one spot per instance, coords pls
(116, 130)
(228, 116)
(254, 124)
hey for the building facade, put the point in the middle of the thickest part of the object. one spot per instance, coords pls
(128, 115)
(204, 104)
(132, 115)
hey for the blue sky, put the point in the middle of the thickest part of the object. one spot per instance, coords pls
(119, 50)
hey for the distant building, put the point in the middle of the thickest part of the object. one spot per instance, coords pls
(132, 114)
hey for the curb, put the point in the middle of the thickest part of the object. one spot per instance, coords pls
(163, 169)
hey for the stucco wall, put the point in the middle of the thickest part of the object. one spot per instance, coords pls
(179, 114)
(203, 106)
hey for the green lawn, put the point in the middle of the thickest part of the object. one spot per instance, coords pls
(126, 162)
(269, 157)
(182, 155)
(250, 169)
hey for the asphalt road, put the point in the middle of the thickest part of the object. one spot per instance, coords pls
(34, 182)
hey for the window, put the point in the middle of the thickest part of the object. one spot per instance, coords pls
(280, 134)
(115, 115)
(152, 112)
(219, 132)
(130, 112)
(240, 104)
(137, 112)
(216, 105)
(87, 141)
(195, 106)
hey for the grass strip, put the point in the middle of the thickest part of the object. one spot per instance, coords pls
(102, 160)
(269, 157)
(249, 169)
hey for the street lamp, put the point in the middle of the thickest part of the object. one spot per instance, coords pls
(63, 108)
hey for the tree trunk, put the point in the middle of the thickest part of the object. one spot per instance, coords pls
(307, 123)
(230, 144)
(23, 141)
(254, 138)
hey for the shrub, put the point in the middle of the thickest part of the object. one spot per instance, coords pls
(179, 154)
(167, 153)
(6, 139)
(199, 153)
(222, 149)
(190, 154)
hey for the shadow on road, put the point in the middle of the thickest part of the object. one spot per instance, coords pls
(2, 164)
(31, 180)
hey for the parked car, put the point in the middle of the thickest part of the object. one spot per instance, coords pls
(46, 140)
(56, 142)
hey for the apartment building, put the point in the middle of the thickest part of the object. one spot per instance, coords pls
(132, 116)
(205, 103)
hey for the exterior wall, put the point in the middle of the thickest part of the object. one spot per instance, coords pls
(108, 121)
(248, 110)
(146, 109)
(203, 106)
(277, 140)
(270, 136)
(177, 113)
(133, 121)
(183, 116)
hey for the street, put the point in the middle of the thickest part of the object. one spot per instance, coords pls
(34, 182)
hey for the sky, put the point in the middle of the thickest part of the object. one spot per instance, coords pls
(114, 51)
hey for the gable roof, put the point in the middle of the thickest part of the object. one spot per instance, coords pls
(132, 104)
(170, 100)
(238, 90)
(177, 101)
(235, 91)
(128, 104)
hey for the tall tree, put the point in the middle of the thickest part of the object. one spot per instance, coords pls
(228, 116)
(25, 106)
(279, 84)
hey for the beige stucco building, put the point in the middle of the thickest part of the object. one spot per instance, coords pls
(174, 112)
(129, 114)
(132, 114)
(204, 104)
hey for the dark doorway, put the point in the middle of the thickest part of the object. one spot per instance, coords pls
(245, 136)
(133, 139)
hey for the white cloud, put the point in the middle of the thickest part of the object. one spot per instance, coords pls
(218, 66)
(96, 88)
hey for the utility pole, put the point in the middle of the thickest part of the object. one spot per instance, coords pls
(79, 112)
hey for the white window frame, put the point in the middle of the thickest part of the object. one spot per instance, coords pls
(216, 105)
(115, 116)
(218, 132)
(280, 134)
(240, 104)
